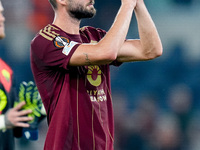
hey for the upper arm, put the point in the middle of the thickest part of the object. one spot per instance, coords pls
(132, 50)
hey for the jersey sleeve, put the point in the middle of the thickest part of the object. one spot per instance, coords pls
(52, 50)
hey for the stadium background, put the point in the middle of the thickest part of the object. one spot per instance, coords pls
(156, 103)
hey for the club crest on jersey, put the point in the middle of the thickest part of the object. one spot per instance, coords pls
(61, 41)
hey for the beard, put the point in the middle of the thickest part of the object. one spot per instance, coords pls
(2, 35)
(79, 12)
(2, 32)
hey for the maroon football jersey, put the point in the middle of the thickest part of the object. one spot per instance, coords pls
(77, 99)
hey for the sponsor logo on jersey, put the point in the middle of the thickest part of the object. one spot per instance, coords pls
(94, 77)
(97, 95)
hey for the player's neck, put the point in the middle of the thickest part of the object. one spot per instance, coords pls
(67, 23)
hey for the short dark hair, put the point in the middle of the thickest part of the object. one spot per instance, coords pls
(53, 4)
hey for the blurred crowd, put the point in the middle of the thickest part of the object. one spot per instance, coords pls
(159, 115)
(156, 103)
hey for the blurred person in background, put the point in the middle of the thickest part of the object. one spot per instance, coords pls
(9, 117)
(138, 126)
(167, 134)
(24, 114)
(180, 100)
(40, 16)
(71, 69)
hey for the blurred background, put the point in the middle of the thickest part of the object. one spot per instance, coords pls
(156, 103)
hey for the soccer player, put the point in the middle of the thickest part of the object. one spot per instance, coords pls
(71, 69)
(13, 119)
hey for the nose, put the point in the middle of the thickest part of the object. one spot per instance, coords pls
(2, 18)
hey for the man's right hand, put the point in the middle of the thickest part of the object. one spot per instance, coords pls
(15, 117)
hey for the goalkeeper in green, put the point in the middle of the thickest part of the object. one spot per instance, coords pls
(22, 119)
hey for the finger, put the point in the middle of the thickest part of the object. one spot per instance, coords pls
(24, 119)
(20, 105)
(24, 112)
(24, 125)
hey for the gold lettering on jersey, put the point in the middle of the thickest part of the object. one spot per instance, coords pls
(47, 32)
(97, 95)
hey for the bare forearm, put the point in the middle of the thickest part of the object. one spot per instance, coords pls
(149, 37)
(116, 35)
(107, 49)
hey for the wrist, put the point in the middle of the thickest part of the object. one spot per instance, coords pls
(141, 11)
(139, 6)
(8, 124)
(128, 6)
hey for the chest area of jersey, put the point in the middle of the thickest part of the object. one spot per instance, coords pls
(96, 84)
